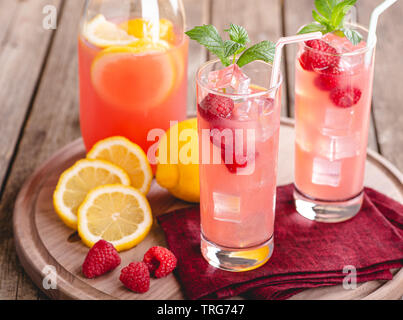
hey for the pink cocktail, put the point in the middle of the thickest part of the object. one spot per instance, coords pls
(238, 138)
(333, 90)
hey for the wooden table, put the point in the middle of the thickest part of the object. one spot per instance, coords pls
(39, 91)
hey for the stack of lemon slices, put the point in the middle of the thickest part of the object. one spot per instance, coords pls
(104, 195)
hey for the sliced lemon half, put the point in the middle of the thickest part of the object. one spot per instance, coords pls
(118, 214)
(77, 181)
(103, 33)
(128, 156)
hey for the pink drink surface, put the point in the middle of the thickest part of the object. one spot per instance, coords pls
(237, 210)
(332, 119)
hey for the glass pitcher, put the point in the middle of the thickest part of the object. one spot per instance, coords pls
(132, 68)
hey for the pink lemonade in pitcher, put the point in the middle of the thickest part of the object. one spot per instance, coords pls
(131, 80)
(333, 94)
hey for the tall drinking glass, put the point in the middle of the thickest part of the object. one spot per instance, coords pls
(238, 141)
(132, 68)
(332, 106)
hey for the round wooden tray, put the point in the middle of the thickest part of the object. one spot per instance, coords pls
(42, 240)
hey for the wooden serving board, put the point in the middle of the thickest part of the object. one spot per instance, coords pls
(43, 240)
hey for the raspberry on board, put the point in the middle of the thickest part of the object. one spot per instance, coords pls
(160, 261)
(101, 258)
(136, 277)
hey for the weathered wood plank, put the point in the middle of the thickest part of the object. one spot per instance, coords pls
(52, 123)
(24, 44)
(197, 13)
(262, 20)
(298, 13)
(388, 95)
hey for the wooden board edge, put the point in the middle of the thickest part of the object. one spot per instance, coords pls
(41, 258)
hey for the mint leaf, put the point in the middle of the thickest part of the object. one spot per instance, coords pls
(331, 15)
(312, 27)
(208, 36)
(325, 7)
(261, 51)
(339, 12)
(354, 36)
(238, 34)
(322, 20)
(231, 47)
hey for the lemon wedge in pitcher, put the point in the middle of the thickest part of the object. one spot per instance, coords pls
(103, 33)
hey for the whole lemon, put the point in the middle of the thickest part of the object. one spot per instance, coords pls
(178, 161)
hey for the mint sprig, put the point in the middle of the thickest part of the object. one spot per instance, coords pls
(261, 51)
(330, 17)
(238, 34)
(208, 36)
(228, 50)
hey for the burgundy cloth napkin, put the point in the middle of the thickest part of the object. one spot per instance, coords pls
(306, 254)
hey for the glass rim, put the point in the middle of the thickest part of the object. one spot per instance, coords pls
(236, 95)
(346, 54)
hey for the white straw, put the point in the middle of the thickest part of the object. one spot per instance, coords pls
(374, 20)
(373, 23)
(275, 72)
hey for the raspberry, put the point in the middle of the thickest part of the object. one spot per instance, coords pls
(304, 61)
(225, 139)
(136, 277)
(322, 56)
(235, 165)
(328, 79)
(101, 258)
(160, 261)
(345, 98)
(214, 106)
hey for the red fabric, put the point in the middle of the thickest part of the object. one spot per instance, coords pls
(306, 254)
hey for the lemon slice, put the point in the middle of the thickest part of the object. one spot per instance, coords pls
(125, 78)
(103, 33)
(118, 214)
(142, 28)
(147, 45)
(77, 181)
(135, 47)
(128, 156)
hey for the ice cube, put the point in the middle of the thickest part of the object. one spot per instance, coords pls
(347, 146)
(227, 207)
(244, 109)
(337, 119)
(229, 80)
(337, 147)
(253, 108)
(326, 172)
